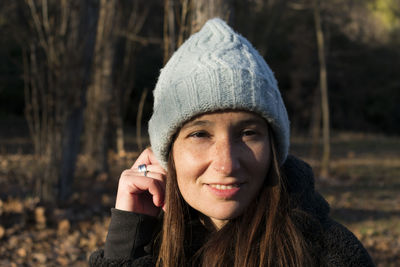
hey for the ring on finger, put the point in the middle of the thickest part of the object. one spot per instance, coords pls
(143, 168)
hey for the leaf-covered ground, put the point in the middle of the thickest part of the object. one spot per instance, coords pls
(363, 192)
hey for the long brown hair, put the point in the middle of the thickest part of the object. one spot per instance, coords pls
(264, 235)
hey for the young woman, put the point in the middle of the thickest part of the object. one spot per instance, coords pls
(217, 187)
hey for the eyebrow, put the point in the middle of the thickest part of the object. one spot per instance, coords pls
(253, 121)
(197, 123)
(257, 121)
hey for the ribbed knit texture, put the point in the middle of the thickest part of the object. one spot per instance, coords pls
(215, 69)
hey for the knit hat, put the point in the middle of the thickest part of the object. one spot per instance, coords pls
(215, 69)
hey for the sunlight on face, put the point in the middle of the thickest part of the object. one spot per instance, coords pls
(221, 161)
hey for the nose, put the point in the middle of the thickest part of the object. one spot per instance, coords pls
(226, 157)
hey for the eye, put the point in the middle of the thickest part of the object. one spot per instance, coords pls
(199, 134)
(249, 132)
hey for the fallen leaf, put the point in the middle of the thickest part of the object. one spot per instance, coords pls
(2, 231)
(40, 257)
(21, 252)
(63, 227)
(40, 217)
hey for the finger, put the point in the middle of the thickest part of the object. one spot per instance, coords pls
(137, 185)
(156, 169)
(133, 174)
(153, 186)
(151, 174)
(146, 157)
(154, 175)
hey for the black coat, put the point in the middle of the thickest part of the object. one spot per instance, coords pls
(333, 245)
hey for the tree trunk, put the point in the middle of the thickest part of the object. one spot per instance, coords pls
(169, 29)
(324, 173)
(127, 25)
(139, 120)
(315, 125)
(53, 74)
(187, 17)
(203, 10)
(99, 93)
(272, 12)
(74, 124)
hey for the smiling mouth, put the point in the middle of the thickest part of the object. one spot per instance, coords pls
(225, 191)
(224, 187)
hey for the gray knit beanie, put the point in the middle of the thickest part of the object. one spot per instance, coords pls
(215, 69)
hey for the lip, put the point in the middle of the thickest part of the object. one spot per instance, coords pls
(227, 191)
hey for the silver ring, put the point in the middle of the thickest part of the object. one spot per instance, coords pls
(143, 168)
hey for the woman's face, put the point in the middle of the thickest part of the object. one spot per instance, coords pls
(221, 161)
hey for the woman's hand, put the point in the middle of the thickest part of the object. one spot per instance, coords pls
(139, 193)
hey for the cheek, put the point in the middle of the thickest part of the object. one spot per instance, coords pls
(262, 163)
(188, 187)
(188, 161)
(189, 167)
(265, 158)
(187, 172)
(261, 153)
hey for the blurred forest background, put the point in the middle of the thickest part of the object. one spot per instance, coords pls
(75, 96)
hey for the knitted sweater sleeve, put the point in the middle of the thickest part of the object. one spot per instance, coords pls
(342, 248)
(128, 234)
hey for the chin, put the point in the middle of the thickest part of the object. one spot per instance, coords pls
(224, 213)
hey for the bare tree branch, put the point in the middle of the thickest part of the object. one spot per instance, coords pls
(37, 23)
(139, 39)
